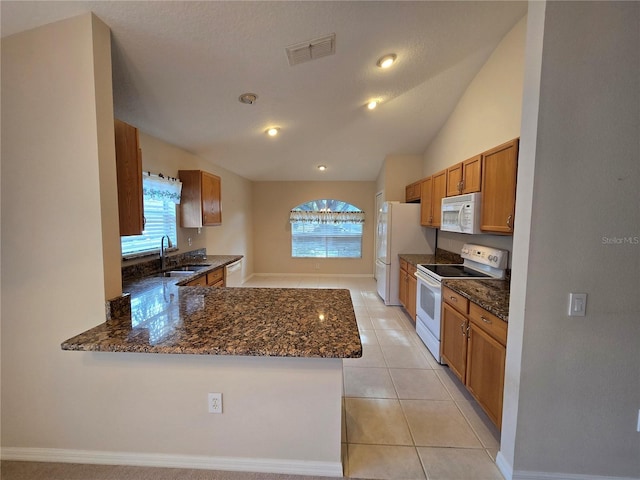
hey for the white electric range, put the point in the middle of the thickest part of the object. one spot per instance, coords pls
(480, 262)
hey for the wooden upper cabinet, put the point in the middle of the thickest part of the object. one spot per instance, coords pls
(200, 205)
(426, 195)
(439, 192)
(465, 177)
(499, 169)
(434, 189)
(472, 175)
(454, 180)
(413, 192)
(129, 175)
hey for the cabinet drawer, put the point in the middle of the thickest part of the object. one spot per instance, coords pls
(198, 282)
(403, 264)
(215, 276)
(411, 270)
(456, 300)
(489, 323)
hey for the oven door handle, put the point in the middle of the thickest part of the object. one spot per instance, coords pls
(427, 280)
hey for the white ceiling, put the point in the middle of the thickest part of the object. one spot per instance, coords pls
(179, 67)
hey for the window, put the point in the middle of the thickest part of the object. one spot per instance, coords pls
(159, 199)
(326, 229)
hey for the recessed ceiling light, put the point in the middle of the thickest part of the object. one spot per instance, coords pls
(372, 104)
(248, 98)
(322, 168)
(273, 131)
(387, 60)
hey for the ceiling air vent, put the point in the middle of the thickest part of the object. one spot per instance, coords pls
(311, 50)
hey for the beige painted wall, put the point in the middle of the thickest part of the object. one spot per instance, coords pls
(396, 173)
(579, 390)
(487, 115)
(272, 202)
(118, 407)
(489, 111)
(235, 235)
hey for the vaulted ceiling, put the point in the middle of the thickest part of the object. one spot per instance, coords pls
(179, 68)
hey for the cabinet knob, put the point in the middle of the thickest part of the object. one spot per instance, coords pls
(509, 219)
(452, 298)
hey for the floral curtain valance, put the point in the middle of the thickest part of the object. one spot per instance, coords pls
(159, 187)
(326, 217)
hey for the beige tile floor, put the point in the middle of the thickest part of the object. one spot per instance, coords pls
(405, 416)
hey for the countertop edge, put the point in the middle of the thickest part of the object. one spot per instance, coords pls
(469, 290)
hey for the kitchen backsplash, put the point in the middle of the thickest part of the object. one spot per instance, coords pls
(149, 267)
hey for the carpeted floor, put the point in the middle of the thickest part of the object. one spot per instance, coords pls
(10, 470)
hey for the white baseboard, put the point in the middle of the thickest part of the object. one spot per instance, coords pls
(524, 475)
(344, 275)
(509, 474)
(236, 464)
(504, 466)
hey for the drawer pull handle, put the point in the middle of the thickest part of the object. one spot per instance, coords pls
(486, 320)
(451, 297)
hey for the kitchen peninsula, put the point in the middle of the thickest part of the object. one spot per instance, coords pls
(275, 354)
(169, 317)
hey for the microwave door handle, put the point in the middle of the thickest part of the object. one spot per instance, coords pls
(460, 218)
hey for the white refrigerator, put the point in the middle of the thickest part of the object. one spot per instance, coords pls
(398, 231)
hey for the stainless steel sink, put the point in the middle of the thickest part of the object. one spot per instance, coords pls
(178, 273)
(193, 268)
(185, 270)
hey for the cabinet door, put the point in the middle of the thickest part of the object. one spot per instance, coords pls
(198, 282)
(412, 290)
(439, 192)
(454, 180)
(499, 168)
(211, 194)
(129, 179)
(402, 292)
(472, 175)
(485, 372)
(426, 193)
(453, 346)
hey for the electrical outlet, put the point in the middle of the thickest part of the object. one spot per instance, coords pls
(317, 266)
(215, 402)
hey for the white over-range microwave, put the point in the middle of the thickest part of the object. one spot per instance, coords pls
(461, 214)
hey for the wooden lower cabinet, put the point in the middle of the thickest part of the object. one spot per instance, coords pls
(211, 279)
(485, 371)
(453, 333)
(408, 288)
(412, 293)
(473, 344)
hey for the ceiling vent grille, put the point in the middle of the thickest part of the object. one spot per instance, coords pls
(311, 50)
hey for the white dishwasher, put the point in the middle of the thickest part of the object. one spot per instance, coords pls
(233, 274)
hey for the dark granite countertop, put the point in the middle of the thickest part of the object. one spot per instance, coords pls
(441, 256)
(284, 322)
(492, 295)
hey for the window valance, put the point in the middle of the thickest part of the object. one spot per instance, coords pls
(326, 217)
(159, 187)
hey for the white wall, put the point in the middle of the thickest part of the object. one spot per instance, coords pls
(488, 113)
(396, 173)
(580, 376)
(95, 406)
(272, 202)
(235, 235)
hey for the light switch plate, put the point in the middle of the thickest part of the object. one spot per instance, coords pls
(577, 304)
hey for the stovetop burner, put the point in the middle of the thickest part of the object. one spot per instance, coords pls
(453, 271)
